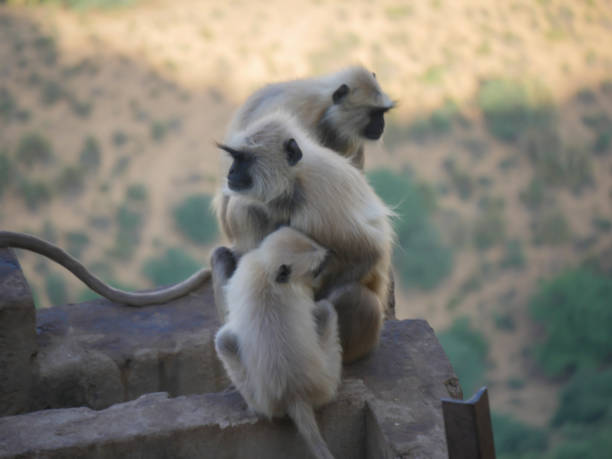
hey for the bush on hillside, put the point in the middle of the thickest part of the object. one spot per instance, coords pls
(467, 351)
(574, 310)
(420, 256)
(194, 219)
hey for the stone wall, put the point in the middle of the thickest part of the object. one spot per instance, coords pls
(87, 379)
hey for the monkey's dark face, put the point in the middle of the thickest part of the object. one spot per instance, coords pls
(239, 176)
(262, 170)
(376, 124)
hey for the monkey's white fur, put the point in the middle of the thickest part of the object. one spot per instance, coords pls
(281, 358)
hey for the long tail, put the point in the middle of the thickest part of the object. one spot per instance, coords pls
(42, 247)
(304, 418)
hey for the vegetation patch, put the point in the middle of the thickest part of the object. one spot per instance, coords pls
(56, 289)
(194, 219)
(511, 108)
(89, 157)
(467, 350)
(173, 266)
(574, 310)
(514, 439)
(421, 258)
(34, 148)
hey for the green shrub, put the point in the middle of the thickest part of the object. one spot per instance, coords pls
(514, 256)
(89, 158)
(8, 105)
(467, 351)
(194, 219)
(514, 438)
(35, 193)
(490, 225)
(535, 195)
(460, 179)
(70, 181)
(34, 148)
(137, 192)
(130, 223)
(550, 228)
(51, 92)
(504, 322)
(56, 289)
(5, 172)
(76, 242)
(173, 266)
(585, 442)
(511, 108)
(421, 258)
(587, 398)
(574, 309)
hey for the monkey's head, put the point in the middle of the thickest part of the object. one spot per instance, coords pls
(290, 256)
(357, 106)
(264, 159)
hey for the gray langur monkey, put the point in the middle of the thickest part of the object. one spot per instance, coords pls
(280, 349)
(63, 258)
(341, 110)
(277, 175)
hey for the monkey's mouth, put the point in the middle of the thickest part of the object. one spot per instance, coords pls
(374, 130)
(241, 184)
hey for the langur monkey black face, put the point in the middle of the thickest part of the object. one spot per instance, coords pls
(247, 165)
(370, 116)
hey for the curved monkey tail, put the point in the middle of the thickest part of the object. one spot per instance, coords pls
(303, 416)
(63, 258)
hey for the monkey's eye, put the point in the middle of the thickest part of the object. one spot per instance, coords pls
(283, 274)
(294, 153)
(340, 93)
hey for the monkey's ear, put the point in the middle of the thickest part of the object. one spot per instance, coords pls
(294, 153)
(339, 93)
(283, 274)
(374, 75)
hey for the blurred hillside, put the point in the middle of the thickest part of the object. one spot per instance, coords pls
(498, 161)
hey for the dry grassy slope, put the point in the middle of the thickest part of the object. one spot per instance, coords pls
(185, 65)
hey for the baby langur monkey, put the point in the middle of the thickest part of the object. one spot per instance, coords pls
(341, 110)
(280, 348)
(279, 176)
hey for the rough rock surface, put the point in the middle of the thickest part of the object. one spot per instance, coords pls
(97, 354)
(195, 426)
(18, 366)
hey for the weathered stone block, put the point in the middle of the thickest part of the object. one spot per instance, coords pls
(197, 426)
(18, 366)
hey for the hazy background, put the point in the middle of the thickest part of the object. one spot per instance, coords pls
(498, 160)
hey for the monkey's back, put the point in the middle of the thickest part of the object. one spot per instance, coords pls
(278, 344)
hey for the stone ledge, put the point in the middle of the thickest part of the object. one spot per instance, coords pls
(194, 426)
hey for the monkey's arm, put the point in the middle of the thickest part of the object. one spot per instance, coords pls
(53, 252)
(223, 264)
(247, 223)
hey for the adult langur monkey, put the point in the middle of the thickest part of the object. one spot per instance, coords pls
(280, 348)
(277, 175)
(342, 110)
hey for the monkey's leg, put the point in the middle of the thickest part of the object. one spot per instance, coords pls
(326, 320)
(222, 266)
(228, 350)
(360, 319)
